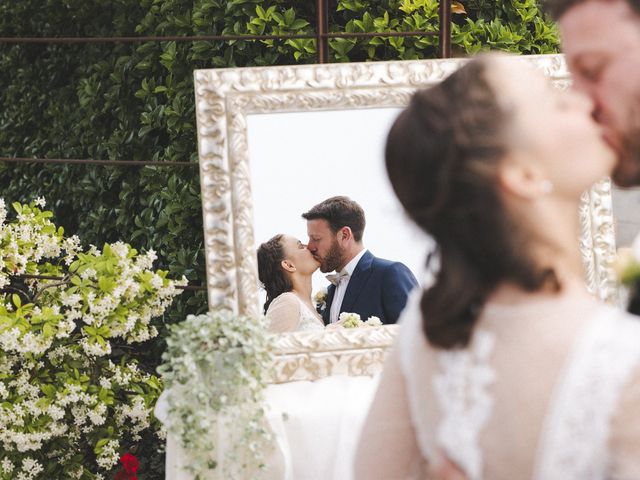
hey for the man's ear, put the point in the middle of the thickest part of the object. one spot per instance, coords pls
(288, 266)
(344, 234)
(521, 179)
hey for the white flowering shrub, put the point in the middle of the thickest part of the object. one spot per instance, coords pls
(72, 399)
(215, 370)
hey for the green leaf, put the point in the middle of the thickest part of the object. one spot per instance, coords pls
(47, 330)
(289, 16)
(298, 24)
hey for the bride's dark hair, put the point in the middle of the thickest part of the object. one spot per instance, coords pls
(270, 271)
(442, 157)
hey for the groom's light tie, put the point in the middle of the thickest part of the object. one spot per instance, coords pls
(340, 280)
(337, 278)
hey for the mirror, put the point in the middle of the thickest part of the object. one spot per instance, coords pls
(271, 140)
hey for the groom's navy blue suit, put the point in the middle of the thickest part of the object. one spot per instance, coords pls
(377, 288)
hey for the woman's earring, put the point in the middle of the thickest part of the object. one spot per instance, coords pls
(546, 186)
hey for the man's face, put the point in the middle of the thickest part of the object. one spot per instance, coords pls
(323, 245)
(601, 41)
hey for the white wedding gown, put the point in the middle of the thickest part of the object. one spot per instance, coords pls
(547, 393)
(287, 313)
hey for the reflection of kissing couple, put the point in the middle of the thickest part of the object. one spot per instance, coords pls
(362, 284)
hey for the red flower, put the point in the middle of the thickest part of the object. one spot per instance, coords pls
(130, 463)
(123, 475)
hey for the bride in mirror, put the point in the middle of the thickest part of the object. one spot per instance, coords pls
(506, 367)
(285, 267)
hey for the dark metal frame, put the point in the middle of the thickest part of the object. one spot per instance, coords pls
(322, 36)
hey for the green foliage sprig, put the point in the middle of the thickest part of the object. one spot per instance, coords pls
(73, 396)
(215, 371)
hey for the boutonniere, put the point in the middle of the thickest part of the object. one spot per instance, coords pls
(321, 300)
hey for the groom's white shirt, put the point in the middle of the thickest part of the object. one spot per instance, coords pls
(341, 288)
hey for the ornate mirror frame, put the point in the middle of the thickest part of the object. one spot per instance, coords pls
(224, 99)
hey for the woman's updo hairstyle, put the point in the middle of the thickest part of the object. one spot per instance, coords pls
(442, 157)
(270, 271)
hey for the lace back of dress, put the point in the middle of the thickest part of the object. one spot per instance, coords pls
(461, 388)
(573, 444)
(574, 441)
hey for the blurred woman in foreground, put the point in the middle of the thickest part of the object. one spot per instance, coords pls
(505, 367)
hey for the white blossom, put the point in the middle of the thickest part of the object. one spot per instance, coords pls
(97, 415)
(88, 273)
(105, 383)
(120, 249)
(108, 458)
(95, 349)
(3, 211)
(6, 465)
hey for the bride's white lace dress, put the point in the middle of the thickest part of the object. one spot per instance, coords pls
(546, 393)
(288, 313)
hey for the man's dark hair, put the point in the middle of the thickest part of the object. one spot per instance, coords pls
(557, 8)
(339, 212)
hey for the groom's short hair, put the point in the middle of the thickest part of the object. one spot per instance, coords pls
(557, 8)
(339, 212)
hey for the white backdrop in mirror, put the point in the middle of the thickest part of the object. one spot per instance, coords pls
(299, 159)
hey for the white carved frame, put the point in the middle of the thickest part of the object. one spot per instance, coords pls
(224, 98)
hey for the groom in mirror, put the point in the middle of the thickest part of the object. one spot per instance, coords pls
(363, 283)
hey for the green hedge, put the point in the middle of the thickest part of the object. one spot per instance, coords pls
(134, 101)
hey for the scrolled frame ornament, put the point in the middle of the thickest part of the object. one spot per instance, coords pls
(224, 99)
(312, 355)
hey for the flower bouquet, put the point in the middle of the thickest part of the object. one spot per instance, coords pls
(353, 320)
